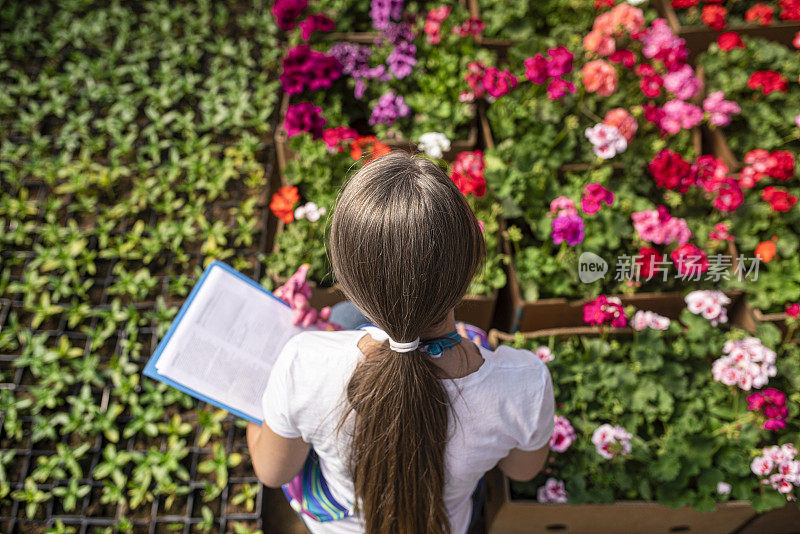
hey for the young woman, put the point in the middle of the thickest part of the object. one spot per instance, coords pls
(390, 429)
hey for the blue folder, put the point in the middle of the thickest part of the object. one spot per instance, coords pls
(150, 369)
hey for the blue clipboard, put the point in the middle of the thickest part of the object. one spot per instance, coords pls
(150, 369)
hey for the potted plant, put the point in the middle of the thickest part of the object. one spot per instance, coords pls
(650, 427)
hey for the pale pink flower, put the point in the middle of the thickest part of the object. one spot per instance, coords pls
(611, 441)
(647, 319)
(710, 304)
(723, 488)
(543, 353)
(562, 205)
(761, 465)
(552, 492)
(563, 434)
(607, 140)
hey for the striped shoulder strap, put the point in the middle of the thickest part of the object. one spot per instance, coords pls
(308, 493)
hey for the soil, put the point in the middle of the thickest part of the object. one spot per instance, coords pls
(278, 516)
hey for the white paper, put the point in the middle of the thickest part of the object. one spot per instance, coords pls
(227, 341)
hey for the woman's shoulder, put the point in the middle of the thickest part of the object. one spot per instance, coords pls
(321, 347)
(518, 364)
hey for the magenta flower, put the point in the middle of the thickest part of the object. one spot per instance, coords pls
(558, 88)
(286, 12)
(560, 62)
(313, 23)
(306, 68)
(594, 195)
(536, 69)
(568, 228)
(605, 310)
(304, 117)
(498, 82)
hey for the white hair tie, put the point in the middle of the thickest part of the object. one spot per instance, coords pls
(403, 347)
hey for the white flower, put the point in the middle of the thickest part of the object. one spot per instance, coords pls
(434, 144)
(309, 211)
(636, 2)
(723, 488)
(607, 140)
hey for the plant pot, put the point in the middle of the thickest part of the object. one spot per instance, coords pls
(477, 310)
(542, 314)
(699, 37)
(784, 520)
(285, 154)
(515, 516)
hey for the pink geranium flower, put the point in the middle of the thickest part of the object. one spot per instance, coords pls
(563, 435)
(594, 196)
(719, 109)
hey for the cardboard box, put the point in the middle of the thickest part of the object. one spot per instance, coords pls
(507, 516)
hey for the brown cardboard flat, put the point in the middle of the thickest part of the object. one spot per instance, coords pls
(506, 516)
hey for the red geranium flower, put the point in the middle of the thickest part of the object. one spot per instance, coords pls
(796, 41)
(729, 40)
(282, 203)
(790, 10)
(780, 165)
(648, 260)
(651, 85)
(683, 4)
(768, 81)
(671, 171)
(760, 14)
(779, 199)
(467, 173)
(689, 260)
(714, 16)
(729, 195)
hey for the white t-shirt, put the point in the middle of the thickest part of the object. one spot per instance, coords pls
(506, 404)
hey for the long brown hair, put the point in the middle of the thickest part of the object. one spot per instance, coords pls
(404, 246)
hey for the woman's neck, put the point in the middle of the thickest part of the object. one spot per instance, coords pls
(442, 328)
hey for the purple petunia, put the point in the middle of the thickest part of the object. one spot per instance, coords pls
(389, 108)
(568, 228)
(382, 12)
(401, 61)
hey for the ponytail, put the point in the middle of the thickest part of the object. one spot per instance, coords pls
(399, 438)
